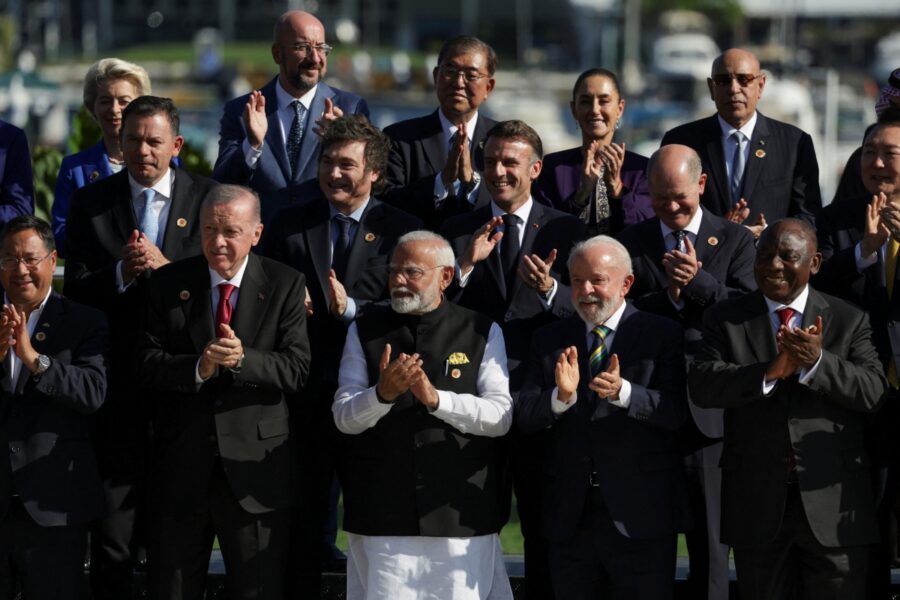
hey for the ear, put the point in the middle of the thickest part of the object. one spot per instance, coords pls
(702, 182)
(535, 169)
(490, 87)
(276, 53)
(762, 83)
(709, 85)
(815, 263)
(447, 274)
(434, 75)
(257, 232)
(627, 283)
(177, 144)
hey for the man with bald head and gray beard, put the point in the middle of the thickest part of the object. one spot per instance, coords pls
(424, 390)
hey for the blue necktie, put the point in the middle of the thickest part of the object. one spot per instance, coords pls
(341, 246)
(149, 218)
(295, 136)
(737, 166)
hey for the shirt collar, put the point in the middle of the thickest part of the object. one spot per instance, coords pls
(612, 323)
(36, 312)
(747, 129)
(523, 212)
(284, 98)
(799, 303)
(450, 128)
(356, 215)
(692, 227)
(163, 187)
(215, 279)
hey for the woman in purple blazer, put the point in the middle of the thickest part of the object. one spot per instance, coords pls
(609, 190)
(109, 86)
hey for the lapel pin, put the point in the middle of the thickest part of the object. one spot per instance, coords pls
(40, 336)
(260, 296)
(45, 324)
(184, 295)
(94, 176)
(370, 237)
(182, 222)
(762, 142)
(713, 241)
(455, 373)
(760, 153)
(534, 225)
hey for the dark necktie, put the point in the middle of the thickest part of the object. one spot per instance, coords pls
(509, 248)
(223, 309)
(341, 246)
(295, 136)
(680, 236)
(599, 353)
(737, 166)
(784, 316)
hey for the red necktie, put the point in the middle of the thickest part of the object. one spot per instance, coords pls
(224, 310)
(785, 315)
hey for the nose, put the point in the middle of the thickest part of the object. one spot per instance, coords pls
(734, 86)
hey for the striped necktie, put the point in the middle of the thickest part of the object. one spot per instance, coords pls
(599, 351)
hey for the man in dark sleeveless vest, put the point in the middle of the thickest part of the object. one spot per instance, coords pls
(423, 390)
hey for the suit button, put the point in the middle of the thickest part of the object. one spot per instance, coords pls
(14, 449)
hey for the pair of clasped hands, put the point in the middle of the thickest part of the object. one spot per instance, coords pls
(14, 334)
(403, 374)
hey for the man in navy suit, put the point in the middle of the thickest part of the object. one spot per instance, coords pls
(610, 385)
(344, 273)
(511, 256)
(679, 280)
(758, 168)
(435, 159)
(267, 139)
(52, 378)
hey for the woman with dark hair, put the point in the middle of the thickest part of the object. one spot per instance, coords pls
(601, 182)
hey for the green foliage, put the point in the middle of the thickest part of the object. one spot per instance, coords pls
(192, 160)
(45, 163)
(85, 132)
(7, 33)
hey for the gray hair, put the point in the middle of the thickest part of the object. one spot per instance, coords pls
(617, 250)
(111, 69)
(443, 253)
(225, 193)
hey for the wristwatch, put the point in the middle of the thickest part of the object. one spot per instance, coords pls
(240, 364)
(43, 363)
(476, 179)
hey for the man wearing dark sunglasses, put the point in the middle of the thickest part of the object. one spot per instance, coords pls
(758, 169)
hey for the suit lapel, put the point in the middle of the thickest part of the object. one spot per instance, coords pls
(179, 219)
(318, 239)
(657, 249)
(309, 144)
(755, 164)
(251, 304)
(274, 137)
(718, 175)
(365, 242)
(123, 215)
(536, 220)
(433, 146)
(198, 307)
(708, 231)
(758, 330)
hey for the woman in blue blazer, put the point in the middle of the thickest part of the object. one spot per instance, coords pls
(109, 86)
(568, 182)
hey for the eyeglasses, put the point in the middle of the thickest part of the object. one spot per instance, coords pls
(449, 73)
(31, 263)
(409, 273)
(303, 49)
(724, 79)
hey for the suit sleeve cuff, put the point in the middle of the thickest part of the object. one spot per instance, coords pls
(251, 154)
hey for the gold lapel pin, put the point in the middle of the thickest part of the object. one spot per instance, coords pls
(370, 237)
(94, 176)
(182, 222)
(713, 241)
(40, 336)
(760, 153)
(184, 295)
(455, 373)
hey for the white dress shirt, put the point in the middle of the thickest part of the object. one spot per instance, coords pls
(214, 280)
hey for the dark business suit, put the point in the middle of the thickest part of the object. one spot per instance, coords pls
(45, 428)
(831, 508)
(301, 237)
(519, 312)
(223, 454)
(418, 153)
(16, 182)
(727, 253)
(76, 171)
(781, 176)
(560, 179)
(638, 501)
(101, 220)
(277, 183)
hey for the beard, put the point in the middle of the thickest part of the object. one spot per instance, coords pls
(414, 303)
(598, 310)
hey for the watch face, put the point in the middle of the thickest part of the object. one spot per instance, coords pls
(43, 363)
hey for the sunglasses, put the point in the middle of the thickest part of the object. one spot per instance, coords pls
(743, 79)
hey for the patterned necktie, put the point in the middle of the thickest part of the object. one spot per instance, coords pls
(680, 236)
(595, 213)
(149, 218)
(341, 246)
(599, 352)
(296, 134)
(737, 166)
(509, 248)
(224, 309)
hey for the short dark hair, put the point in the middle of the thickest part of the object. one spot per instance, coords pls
(465, 44)
(148, 106)
(357, 128)
(889, 117)
(517, 130)
(26, 222)
(597, 72)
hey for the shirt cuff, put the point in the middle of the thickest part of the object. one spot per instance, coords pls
(768, 386)
(863, 263)
(678, 305)
(251, 154)
(624, 400)
(472, 196)
(557, 406)
(807, 374)
(121, 286)
(445, 404)
(547, 300)
(463, 279)
(441, 192)
(197, 378)
(349, 312)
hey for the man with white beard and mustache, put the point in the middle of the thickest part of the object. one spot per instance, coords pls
(610, 385)
(424, 390)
